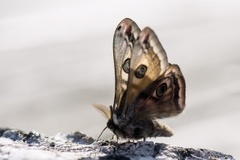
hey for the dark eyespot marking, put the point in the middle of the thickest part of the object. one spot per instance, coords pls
(141, 70)
(161, 89)
(126, 65)
(119, 27)
(131, 37)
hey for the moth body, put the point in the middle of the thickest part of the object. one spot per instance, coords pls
(147, 86)
(129, 129)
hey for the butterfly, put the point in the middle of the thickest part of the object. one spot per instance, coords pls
(147, 86)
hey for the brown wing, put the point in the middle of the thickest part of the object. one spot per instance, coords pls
(124, 38)
(148, 62)
(164, 97)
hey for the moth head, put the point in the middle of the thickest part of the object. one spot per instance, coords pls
(107, 113)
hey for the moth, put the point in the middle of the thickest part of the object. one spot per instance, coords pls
(147, 86)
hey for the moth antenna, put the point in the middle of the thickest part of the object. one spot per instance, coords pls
(112, 137)
(111, 111)
(101, 133)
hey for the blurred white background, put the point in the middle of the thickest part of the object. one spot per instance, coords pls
(56, 60)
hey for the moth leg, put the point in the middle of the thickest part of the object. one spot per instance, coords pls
(144, 139)
(117, 139)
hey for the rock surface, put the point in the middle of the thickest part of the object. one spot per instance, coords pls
(15, 144)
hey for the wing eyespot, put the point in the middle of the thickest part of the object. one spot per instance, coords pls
(161, 89)
(126, 65)
(131, 37)
(141, 70)
(119, 27)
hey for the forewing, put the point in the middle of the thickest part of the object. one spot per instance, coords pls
(164, 97)
(124, 38)
(148, 62)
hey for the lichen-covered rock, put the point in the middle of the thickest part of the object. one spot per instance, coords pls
(15, 144)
